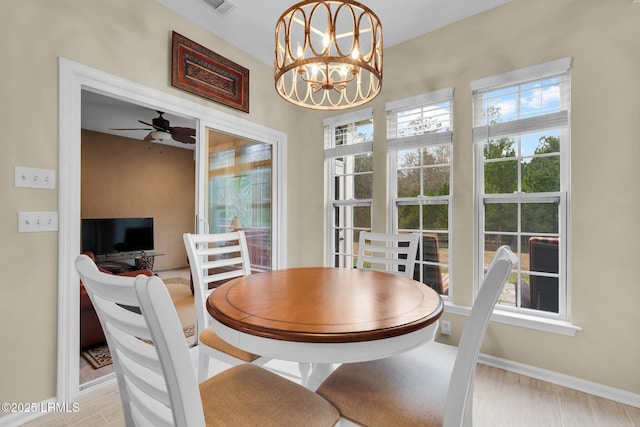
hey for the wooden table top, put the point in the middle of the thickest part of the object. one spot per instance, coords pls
(325, 305)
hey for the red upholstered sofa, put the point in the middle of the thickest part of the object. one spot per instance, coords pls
(90, 329)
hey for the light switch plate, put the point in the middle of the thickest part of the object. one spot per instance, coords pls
(30, 222)
(35, 178)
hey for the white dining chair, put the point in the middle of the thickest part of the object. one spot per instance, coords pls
(395, 253)
(156, 379)
(428, 386)
(214, 259)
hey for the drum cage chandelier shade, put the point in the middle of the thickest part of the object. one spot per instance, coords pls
(328, 54)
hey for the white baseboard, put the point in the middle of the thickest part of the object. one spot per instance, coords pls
(611, 393)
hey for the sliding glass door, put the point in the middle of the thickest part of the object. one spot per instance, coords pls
(239, 193)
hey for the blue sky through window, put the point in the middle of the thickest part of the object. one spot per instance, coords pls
(522, 101)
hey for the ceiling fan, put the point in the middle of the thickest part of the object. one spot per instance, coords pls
(161, 131)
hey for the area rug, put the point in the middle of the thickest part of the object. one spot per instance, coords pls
(182, 298)
(176, 281)
(100, 356)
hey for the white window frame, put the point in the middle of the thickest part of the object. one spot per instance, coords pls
(331, 152)
(395, 143)
(537, 319)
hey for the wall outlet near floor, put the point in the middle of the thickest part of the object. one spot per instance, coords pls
(445, 327)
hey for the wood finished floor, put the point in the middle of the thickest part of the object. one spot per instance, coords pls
(501, 399)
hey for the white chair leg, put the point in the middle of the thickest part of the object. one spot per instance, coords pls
(203, 367)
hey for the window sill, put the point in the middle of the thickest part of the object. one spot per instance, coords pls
(561, 327)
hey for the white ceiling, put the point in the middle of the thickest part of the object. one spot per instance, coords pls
(103, 114)
(251, 27)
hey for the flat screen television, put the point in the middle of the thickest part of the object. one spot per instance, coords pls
(105, 236)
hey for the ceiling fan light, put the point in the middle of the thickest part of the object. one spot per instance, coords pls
(158, 135)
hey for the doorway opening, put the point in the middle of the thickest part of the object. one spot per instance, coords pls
(75, 78)
(137, 194)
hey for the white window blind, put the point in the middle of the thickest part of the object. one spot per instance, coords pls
(420, 120)
(521, 97)
(351, 145)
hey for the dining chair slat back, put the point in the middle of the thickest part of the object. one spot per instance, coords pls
(213, 260)
(153, 391)
(428, 386)
(156, 379)
(395, 253)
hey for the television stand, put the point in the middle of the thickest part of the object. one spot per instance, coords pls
(116, 267)
(116, 263)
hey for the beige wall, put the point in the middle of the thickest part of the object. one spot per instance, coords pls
(124, 177)
(133, 43)
(130, 42)
(603, 37)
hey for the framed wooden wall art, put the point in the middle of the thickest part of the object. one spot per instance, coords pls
(198, 70)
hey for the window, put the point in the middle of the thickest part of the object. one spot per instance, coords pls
(521, 134)
(419, 135)
(348, 154)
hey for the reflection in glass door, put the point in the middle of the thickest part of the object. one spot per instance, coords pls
(239, 177)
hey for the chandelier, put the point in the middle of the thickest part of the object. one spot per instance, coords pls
(328, 54)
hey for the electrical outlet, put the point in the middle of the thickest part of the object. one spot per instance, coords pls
(30, 222)
(34, 178)
(445, 327)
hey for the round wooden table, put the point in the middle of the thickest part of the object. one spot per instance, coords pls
(325, 315)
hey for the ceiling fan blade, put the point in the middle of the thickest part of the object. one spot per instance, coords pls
(185, 139)
(183, 134)
(148, 138)
(183, 131)
(130, 129)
